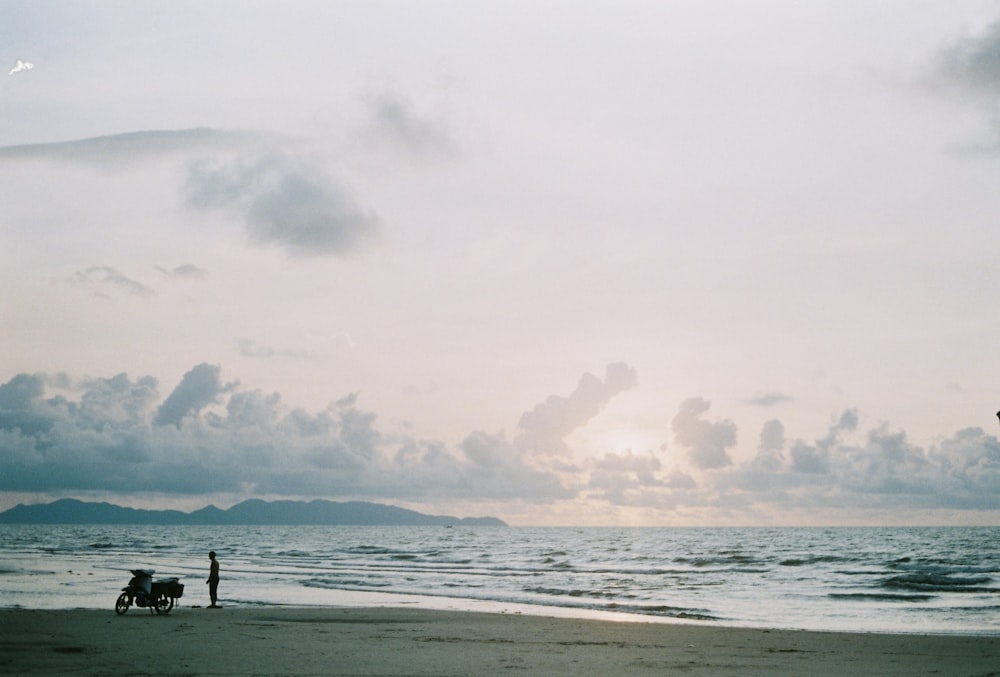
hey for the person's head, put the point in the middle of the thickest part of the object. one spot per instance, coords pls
(211, 555)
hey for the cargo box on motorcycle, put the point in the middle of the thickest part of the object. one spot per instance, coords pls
(175, 590)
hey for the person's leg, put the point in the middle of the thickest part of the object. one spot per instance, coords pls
(213, 589)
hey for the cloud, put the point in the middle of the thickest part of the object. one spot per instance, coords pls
(199, 388)
(132, 148)
(281, 198)
(621, 478)
(282, 201)
(768, 399)
(882, 470)
(972, 63)
(209, 437)
(815, 459)
(969, 70)
(340, 337)
(395, 124)
(254, 350)
(105, 282)
(185, 271)
(502, 469)
(545, 427)
(772, 441)
(707, 442)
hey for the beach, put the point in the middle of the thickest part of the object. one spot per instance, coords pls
(408, 641)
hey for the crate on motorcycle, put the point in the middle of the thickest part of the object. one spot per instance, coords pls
(176, 590)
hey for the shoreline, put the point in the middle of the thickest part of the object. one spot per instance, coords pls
(367, 599)
(382, 640)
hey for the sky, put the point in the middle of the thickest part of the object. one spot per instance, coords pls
(562, 263)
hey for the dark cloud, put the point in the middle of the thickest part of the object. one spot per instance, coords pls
(283, 201)
(209, 436)
(199, 388)
(545, 427)
(707, 442)
(18, 405)
(969, 70)
(973, 63)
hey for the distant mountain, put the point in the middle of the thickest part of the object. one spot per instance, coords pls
(254, 511)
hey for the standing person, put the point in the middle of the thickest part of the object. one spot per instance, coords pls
(213, 581)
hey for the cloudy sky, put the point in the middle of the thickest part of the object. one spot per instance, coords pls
(559, 262)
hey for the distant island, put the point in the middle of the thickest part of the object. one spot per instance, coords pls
(254, 511)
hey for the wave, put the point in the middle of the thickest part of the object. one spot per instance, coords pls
(663, 610)
(345, 584)
(881, 596)
(805, 561)
(932, 582)
(724, 560)
(560, 592)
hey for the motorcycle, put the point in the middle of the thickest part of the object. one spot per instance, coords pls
(144, 592)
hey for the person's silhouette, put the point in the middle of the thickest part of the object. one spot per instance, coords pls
(213, 581)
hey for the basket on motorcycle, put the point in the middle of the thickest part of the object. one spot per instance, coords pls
(143, 579)
(175, 590)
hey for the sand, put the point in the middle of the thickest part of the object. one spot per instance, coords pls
(409, 641)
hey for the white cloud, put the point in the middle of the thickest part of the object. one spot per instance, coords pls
(621, 478)
(707, 442)
(545, 427)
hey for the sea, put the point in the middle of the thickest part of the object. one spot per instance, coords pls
(912, 580)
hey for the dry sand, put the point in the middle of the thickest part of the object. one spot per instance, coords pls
(407, 641)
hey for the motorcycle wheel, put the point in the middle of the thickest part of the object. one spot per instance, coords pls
(123, 603)
(163, 604)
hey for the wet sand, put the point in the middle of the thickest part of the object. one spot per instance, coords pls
(408, 641)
